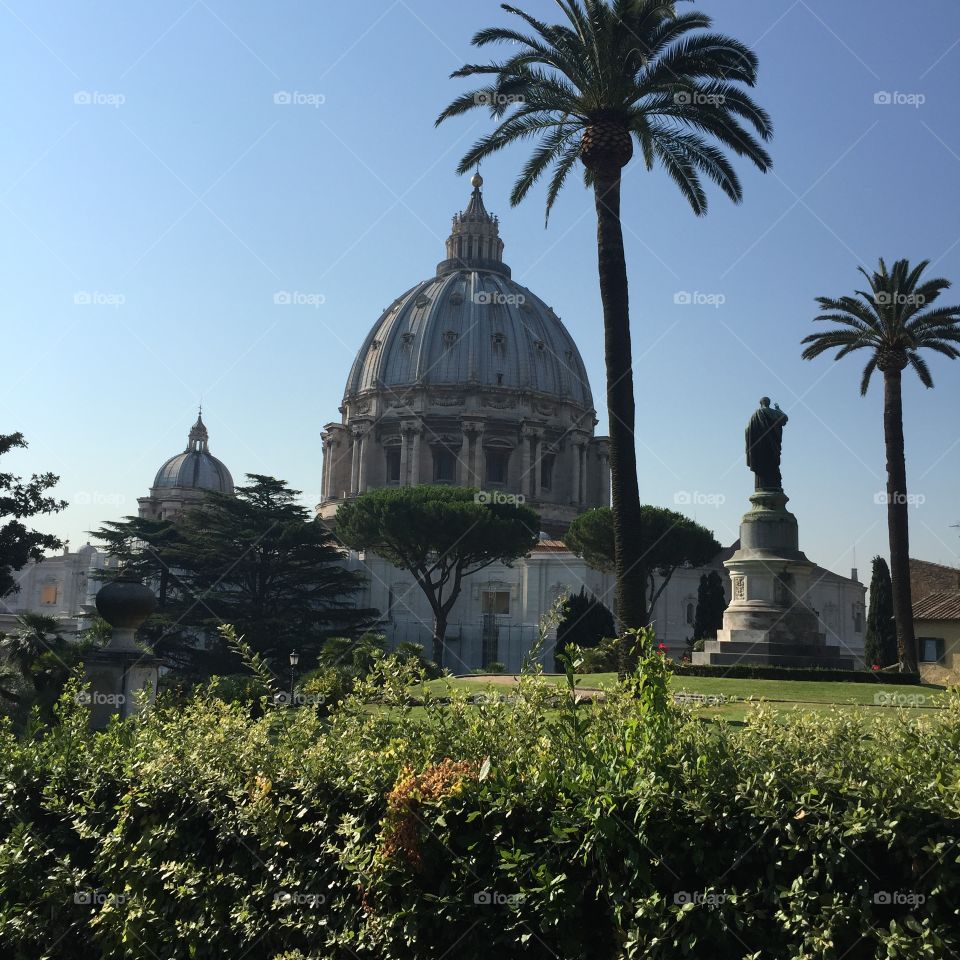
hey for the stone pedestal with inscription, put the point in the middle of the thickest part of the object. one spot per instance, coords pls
(768, 620)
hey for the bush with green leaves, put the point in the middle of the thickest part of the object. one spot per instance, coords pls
(535, 828)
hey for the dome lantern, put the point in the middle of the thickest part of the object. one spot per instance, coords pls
(474, 242)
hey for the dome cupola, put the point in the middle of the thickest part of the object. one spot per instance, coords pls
(187, 477)
(474, 242)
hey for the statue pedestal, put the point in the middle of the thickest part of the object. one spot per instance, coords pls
(768, 620)
(116, 680)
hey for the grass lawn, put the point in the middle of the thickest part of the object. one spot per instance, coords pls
(738, 696)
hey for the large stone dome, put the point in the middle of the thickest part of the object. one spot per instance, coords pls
(469, 379)
(471, 327)
(186, 477)
(196, 468)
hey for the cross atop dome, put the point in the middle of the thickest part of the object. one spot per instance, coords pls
(474, 242)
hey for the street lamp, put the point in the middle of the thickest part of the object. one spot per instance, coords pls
(294, 660)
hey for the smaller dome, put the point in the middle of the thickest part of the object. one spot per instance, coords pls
(196, 468)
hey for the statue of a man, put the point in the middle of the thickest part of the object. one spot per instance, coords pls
(764, 443)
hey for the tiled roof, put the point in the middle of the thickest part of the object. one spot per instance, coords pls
(938, 606)
(551, 546)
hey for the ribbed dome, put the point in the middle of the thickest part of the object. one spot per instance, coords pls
(471, 324)
(196, 468)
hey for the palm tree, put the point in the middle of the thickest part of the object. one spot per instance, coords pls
(615, 71)
(891, 321)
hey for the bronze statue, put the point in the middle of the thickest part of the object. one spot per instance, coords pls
(764, 442)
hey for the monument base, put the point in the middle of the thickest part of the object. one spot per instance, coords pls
(119, 683)
(768, 620)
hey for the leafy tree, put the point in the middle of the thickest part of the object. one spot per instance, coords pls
(880, 642)
(711, 602)
(668, 540)
(36, 661)
(584, 89)
(254, 559)
(20, 500)
(892, 321)
(441, 535)
(586, 622)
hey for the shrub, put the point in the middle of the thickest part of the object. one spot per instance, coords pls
(539, 828)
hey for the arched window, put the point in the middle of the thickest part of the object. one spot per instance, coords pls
(444, 465)
(546, 471)
(498, 464)
(393, 464)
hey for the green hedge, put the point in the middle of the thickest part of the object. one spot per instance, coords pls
(600, 830)
(759, 671)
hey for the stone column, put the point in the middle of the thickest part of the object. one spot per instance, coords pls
(604, 478)
(577, 450)
(404, 454)
(537, 462)
(355, 461)
(479, 478)
(463, 460)
(417, 431)
(362, 476)
(525, 434)
(121, 674)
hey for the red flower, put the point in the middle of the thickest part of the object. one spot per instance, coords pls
(876, 666)
(662, 646)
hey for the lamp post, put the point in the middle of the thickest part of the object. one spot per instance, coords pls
(294, 660)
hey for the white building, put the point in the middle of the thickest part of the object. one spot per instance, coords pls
(61, 586)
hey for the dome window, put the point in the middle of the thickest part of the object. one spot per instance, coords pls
(444, 465)
(456, 298)
(406, 338)
(499, 339)
(546, 472)
(498, 464)
(541, 345)
(422, 301)
(392, 454)
(374, 346)
(449, 337)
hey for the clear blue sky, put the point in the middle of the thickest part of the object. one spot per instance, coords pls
(181, 198)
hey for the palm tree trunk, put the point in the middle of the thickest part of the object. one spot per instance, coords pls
(621, 408)
(897, 519)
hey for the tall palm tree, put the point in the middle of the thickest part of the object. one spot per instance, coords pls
(617, 71)
(892, 321)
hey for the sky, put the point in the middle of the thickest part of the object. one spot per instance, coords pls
(167, 169)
